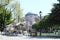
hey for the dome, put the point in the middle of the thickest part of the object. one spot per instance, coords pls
(29, 13)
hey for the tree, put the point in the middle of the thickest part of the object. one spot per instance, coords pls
(58, 0)
(5, 17)
(54, 17)
(36, 27)
(3, 2)
(52, 20)
(41, 24)
(18, 10)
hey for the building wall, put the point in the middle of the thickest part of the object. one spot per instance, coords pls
(30, 19)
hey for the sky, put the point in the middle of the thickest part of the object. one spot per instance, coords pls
(35, 6)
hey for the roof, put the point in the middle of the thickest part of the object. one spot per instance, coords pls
(29, 13)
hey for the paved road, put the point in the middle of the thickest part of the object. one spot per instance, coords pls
(2, 37)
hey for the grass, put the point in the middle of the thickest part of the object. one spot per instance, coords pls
(49, 34)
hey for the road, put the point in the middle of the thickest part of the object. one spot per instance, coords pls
(21, 37)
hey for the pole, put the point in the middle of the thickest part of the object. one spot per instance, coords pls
(40, 14)
(40, 19)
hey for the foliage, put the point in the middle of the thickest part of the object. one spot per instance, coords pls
(41, 24)
(35, 26)
(17, 10)
(53, 19)
(5, 17)
(50, 22)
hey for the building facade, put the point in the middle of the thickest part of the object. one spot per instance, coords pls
(30, 19)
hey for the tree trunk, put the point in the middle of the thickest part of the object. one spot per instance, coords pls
(40, 32)
(36, 33)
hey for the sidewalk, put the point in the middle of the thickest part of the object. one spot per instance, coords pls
(24, 38)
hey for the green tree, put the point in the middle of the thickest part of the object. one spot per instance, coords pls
(42, 24)
(36, 27)
(54, 17)
(5, 2)
(50, 21)
(5, 17)
(18, 10)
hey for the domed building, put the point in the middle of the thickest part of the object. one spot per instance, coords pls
(30, 19)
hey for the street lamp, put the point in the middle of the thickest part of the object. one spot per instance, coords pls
(40, 14)
(40, 19)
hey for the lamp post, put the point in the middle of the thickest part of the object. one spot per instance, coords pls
(40, 14)
(40, 19)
